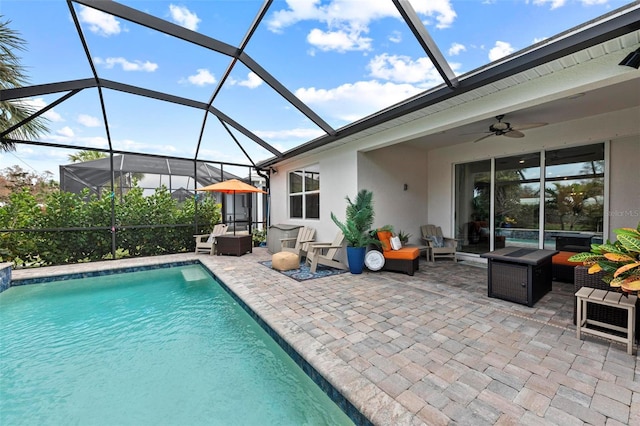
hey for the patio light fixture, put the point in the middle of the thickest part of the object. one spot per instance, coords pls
(632, 59)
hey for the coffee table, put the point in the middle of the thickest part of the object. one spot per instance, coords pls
(521, 275)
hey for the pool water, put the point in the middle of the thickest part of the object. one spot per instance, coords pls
(160, 347)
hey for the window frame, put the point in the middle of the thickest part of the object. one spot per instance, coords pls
(314, 170)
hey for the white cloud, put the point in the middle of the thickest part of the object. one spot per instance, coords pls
(350, 102)
(127, 65)
(66, 131)
(38, 104)
(395, 37)
(341, 40)
(96, 141)
(252, 81)
(82, 142)
(554, 3)
(132, 145)
(440, 9)
(500, 50)
(345, 20)
(99, 22)
(184, 17)
(297, 134)
(224, 156)
(88, 120)
(456, 48)
(402, 69)
(202, 77)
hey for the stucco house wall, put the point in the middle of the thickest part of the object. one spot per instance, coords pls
(624, 183)
(338, 178)
(386, 171)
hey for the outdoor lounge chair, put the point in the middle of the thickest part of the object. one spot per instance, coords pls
(205, 243)
(325, 254)
(439, 246)
(300, 244)
(405, 259)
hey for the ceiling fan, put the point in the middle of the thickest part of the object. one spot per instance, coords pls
(502, 128)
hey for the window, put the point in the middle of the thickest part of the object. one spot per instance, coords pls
(304, 193)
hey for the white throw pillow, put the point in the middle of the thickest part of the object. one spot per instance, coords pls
(395, 243)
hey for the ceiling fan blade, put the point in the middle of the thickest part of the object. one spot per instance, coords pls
(528, 126)
(513, 133)
(484, 137)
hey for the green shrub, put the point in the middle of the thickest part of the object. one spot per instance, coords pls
(144, 226)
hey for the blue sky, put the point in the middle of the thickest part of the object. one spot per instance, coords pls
(344, 59)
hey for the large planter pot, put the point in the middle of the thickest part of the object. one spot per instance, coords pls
(355, 258)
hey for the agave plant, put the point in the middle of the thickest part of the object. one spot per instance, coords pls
(358, 221)
(620, 260)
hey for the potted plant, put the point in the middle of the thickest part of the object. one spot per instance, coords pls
(259, 237)
(404, 237)
(356, 229)
(620, 261)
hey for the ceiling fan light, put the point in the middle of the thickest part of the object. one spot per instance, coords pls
(501, 126)
(632, 59)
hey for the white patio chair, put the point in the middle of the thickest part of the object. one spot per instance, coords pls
(205, 243)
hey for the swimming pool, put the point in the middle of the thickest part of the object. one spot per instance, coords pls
(165, 346)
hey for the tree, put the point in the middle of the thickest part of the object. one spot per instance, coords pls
(12, 75)
(15, 179)
(82, 156)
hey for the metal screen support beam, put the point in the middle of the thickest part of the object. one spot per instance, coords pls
(430, 47)
(149, 21)
(46, 89)
(232, 136)
(234, 60)
(39, 113)
(154, 23)
(222, 116)
(285, 93)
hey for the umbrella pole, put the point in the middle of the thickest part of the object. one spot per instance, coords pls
(234, 212)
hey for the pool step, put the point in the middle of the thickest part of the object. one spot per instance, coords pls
(193, 274)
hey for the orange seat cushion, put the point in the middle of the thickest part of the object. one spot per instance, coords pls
(406, 253)
(562, 258)
(385, 239)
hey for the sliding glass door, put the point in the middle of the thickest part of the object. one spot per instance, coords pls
(517, 201)
(473, 204)
(569, 182)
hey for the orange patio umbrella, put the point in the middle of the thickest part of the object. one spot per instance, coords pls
(232, 186)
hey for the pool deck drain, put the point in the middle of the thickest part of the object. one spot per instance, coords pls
(432, 348)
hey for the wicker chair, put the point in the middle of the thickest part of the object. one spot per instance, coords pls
(607, 314)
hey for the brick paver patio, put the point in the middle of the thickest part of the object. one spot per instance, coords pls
(433, 348)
